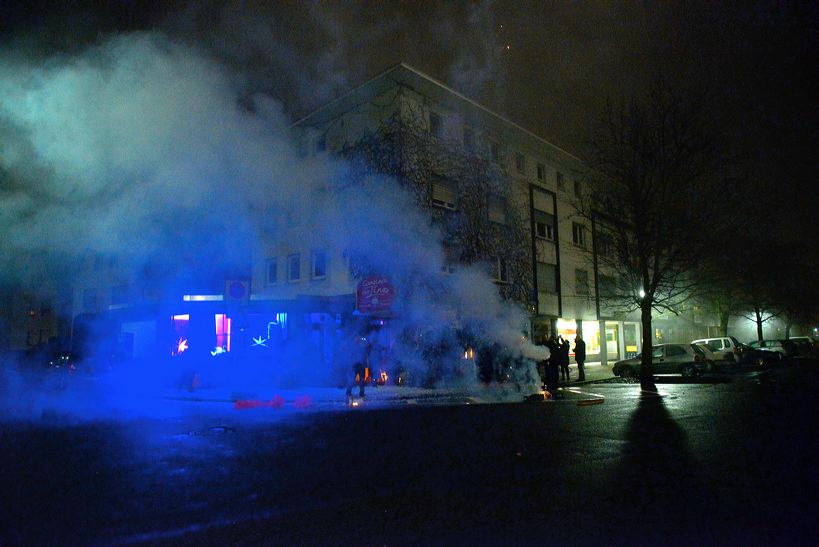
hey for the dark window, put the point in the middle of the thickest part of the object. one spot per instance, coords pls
(578, 234)
(469, 139)
(546, 278)
(581, 281)
(443, 193)
(436, 125)
(319, 265)
(541, 171)
(89, 300)
(520, 163)
(561, 184)
(544, 225)
(321, 145)
(500, 273)
(294, 268)
(119, 294)
(607, 286)
(494, 150)
(272, 271)
(497, 209)
(578, 191)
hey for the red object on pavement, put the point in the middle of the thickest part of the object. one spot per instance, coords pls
(303, 401)
(243, 404)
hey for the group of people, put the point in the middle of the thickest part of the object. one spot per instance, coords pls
(557, 366)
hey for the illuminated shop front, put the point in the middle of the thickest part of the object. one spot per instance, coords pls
(621, 338)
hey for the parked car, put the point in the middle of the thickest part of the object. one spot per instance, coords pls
(724, 348)
(686, 359)
(772, 345)
(758, 356)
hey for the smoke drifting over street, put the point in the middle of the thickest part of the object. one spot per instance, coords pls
(145, 151)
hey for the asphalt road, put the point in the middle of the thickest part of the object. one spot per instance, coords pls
(730, 461)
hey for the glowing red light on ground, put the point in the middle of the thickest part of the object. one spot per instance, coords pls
(302, 401)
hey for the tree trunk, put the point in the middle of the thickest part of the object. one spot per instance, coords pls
(646, 368)
(723, 323)
(758, 324)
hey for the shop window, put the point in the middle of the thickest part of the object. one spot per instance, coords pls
(294, 268)
(223, 327)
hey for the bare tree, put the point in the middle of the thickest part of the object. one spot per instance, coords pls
(656, 169)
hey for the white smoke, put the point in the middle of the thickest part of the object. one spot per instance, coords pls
(141, 146)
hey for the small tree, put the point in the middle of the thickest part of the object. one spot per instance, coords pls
(655, 171)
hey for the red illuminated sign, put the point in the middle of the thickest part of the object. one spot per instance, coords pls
(375, 294)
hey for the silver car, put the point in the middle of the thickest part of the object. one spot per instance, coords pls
(686, 359)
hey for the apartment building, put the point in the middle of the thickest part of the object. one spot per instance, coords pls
(540, 254)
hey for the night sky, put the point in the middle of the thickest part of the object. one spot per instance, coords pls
(550, 67)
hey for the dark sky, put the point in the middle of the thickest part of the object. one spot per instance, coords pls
(549, 66)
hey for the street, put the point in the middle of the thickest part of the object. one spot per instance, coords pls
(728, 461)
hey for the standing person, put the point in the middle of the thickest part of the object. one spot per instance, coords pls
(563, 350)
(360, 368)
(551, 366)
(580, 357)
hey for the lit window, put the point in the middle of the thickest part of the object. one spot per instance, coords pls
(544, 225)
(294, 268)
(541, 171)
(272, 271)
(578, 234)
(436, 125)
(520, 163)
(319, 265)
(561, 184)
(443, 193)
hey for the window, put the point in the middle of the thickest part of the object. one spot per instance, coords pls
(671, 351)
(494, 152)
(294, 268)
(319, 265)
(546, 278)
(578, 191)
(119, 294)
(450, 259)
(469, 139)
(541, 171)
(561, 184)
(497, 209)
(581, 282)
(658, 352)
(605, 245)
(544, 225)
(272, 272)
(443, 193)
(436, 125)
(520, 163)
(321, 145)
(89, 300)
(608, 286)
(500, 273)
(578, 234)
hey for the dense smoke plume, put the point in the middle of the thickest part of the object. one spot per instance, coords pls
(145, 151)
